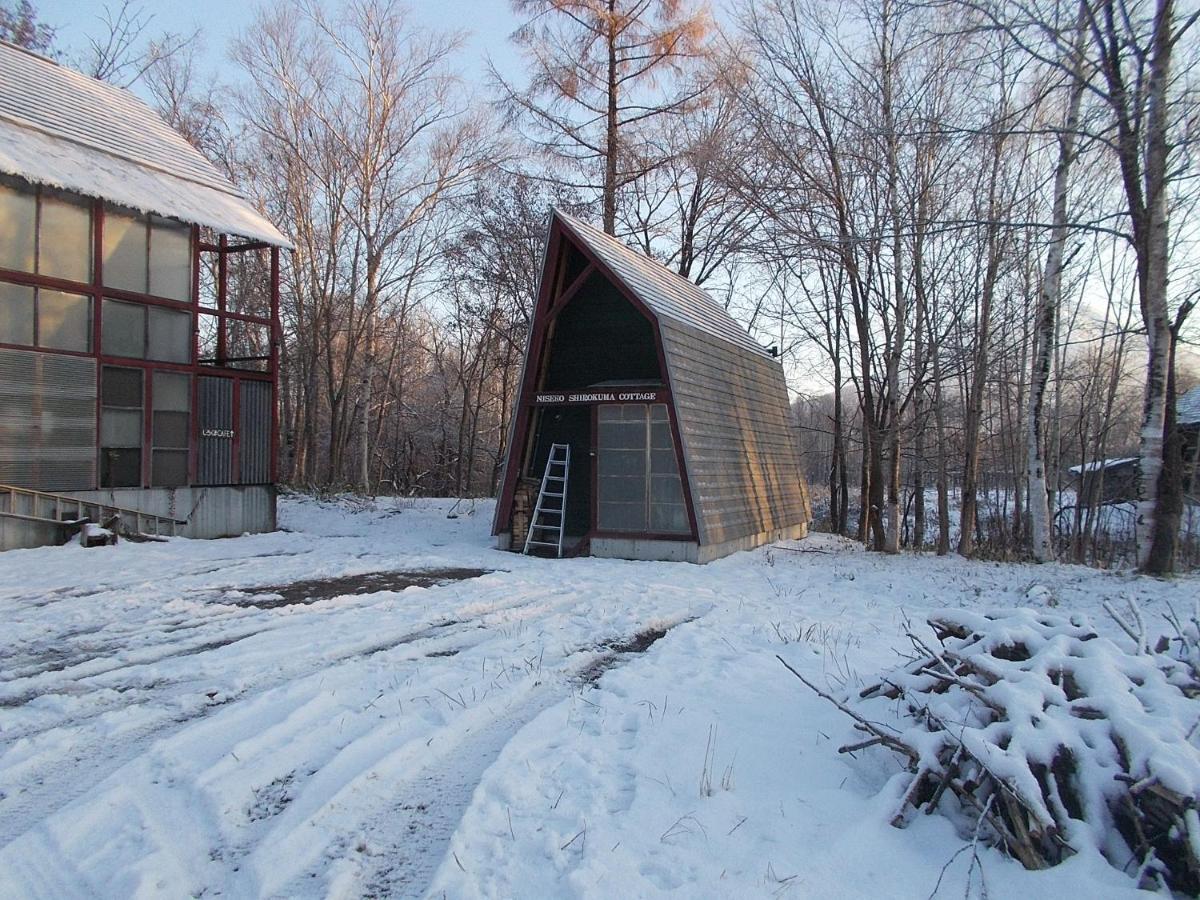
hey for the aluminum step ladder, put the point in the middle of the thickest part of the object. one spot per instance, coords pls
(554, 488)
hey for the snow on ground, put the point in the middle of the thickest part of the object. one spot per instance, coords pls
(170, 726)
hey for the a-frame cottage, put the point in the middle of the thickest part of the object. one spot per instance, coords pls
(649, 425)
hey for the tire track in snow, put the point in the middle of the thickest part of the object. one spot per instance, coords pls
(41, 790)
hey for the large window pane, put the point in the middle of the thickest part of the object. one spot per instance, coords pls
(124, 251)
(638, 484)
(170, 335)
(123, 330)
(170, 259)
(64, 320)
(16, 314)
(18, 226)
(65, 238)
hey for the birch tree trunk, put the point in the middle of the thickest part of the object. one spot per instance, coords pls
(1041, 540)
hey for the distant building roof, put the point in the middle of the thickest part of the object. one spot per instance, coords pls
(1098, 464)
(667, 294)
(61, 128)
(1187, 407)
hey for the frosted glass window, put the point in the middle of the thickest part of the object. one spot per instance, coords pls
(65, 239)
(169, 468)
(18, 227)
(123, 329)
(124, 251)
(172, 429)
(121, 428)
(122, 387)
(170, 335)
(170, 259)
(172, 391)
(64, 320)
(637, 476)
(16, 314)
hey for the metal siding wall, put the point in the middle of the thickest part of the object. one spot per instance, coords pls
(742, 461)
(255, 432)
(47, 420)
(215, 462)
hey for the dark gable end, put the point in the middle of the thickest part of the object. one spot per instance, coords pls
(730, 398)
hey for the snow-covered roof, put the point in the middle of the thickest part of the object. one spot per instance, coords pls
(666, 293)
(1187, 408)
(1098, 464)
(63, 129)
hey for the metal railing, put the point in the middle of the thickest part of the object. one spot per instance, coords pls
(67, 511)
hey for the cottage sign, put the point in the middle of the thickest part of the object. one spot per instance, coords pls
(555, 399)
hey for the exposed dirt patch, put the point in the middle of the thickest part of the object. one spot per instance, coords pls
(314, 589)
(619, 650)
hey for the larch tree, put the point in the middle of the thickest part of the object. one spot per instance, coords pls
(601, 72)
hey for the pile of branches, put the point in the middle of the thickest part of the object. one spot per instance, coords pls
(1045, 739)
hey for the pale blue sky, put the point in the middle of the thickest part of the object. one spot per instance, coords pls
(489, 23)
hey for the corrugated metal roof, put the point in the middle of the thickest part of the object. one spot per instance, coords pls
(663, 291)
(61, 128)
(1187, 407)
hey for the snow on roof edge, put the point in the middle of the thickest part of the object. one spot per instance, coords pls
(1097, 464)
(36, 156)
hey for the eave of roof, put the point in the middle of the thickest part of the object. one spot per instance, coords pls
(62, 129)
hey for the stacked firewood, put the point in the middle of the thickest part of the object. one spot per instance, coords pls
(1044, 739)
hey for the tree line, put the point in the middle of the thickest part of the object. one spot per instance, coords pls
(968, 225)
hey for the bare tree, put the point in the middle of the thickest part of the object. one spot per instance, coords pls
(601, 70)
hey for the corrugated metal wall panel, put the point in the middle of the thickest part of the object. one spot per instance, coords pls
(254, 435)
(743, 465)
(47, 420)
(215, 417)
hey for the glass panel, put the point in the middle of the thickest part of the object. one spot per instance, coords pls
(65, 242)
(621, 462)
(669, 517)
(658, 413)
(169, 468)
(623, 490)
(124, 251)
(666, 489)
(247, 340)
(171, 429)
(170, 259)
(18, 227)
(662, 462)
(172, 391)
(631, 435)
(209, 326)
(121, 387)
(622, 516)
(16, 314)
(660, 436)
(64, 320)
(123, 331)
(120, 467)
(121, 428)
(170, 335)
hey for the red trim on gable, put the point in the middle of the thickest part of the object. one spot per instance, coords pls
(545, 310)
